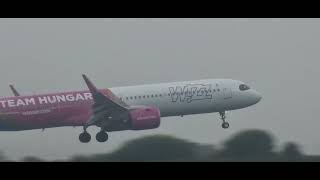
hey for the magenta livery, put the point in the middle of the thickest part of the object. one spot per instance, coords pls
(123, 108)
(45, 111)
(45, 99)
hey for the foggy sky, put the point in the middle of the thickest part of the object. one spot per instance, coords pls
(277, 57)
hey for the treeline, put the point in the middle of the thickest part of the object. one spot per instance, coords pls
(250, 145)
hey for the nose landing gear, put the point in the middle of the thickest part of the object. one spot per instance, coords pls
(225, 124)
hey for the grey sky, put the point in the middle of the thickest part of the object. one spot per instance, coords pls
(277, 57)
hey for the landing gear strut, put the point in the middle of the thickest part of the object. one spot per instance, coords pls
(225, 124)
(84, 137)
(102, 136)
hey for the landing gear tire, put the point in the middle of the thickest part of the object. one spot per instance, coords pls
(85, 137)
(225, 125)
(102, 136)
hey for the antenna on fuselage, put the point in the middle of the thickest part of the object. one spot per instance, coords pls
(15, 92)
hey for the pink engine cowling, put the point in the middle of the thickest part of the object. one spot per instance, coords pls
(145, 118)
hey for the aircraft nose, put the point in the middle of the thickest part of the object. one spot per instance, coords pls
(257, 97)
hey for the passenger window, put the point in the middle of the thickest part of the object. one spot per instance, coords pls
(135, 97)
(144, 96)
(156, 95)
(139, 97)
(152, 95)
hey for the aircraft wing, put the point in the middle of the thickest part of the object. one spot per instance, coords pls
(105, 106)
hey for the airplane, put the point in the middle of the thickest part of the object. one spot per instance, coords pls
(124, 108)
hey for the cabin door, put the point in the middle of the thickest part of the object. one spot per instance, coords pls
(227, 94)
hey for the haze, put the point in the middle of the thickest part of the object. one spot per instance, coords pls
(277, 57)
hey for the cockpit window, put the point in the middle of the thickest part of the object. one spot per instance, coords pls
(243, 87)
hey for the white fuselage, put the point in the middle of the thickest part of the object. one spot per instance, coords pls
(170, 99)
(190, 97)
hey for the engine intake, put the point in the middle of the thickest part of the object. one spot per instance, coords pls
(145, 118)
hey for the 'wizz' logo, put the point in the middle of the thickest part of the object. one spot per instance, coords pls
(190, 92)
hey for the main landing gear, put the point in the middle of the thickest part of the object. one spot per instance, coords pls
(225, 124)
(85, 137)
(102, 136)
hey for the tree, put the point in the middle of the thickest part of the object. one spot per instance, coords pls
(151, 148)
(292, 152)
(155, 148)
(32, 159)
(2, 157)
(248, 145)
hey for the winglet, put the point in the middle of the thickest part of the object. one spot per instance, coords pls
(15, 92)
(90, 85)
(100, 97)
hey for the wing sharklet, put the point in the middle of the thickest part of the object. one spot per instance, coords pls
(99, 97)
(90, 85)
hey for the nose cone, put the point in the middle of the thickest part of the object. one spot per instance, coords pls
(256, 96)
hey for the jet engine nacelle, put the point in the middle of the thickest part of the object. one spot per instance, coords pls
(144, 118)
